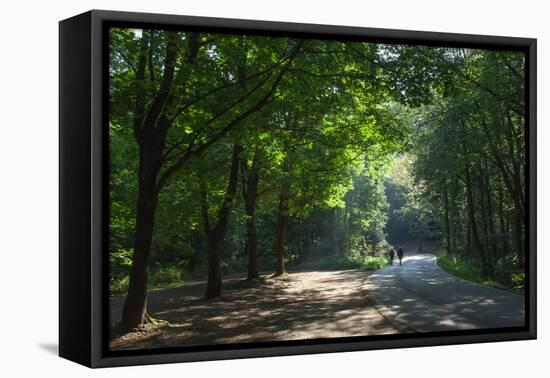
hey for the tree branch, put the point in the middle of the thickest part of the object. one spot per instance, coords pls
(127, 60)
(201, 96)
(221, 133)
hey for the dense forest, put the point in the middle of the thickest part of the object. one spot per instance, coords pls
(242, 154)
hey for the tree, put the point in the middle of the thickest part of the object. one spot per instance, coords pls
(162, 116)
(472, 146)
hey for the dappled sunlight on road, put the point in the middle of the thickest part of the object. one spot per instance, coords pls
(420, 297)
(304, 305)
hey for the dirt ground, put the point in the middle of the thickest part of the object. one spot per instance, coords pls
(301, 305)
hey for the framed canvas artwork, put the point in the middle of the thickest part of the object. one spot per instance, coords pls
(234, 188)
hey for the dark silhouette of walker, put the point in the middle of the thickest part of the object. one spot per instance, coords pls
(400, 254)
(392, 255)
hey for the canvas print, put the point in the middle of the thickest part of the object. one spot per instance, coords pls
(270, 188)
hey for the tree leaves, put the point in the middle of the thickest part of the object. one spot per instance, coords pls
(326, 118)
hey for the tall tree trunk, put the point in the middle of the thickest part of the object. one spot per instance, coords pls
(502, 223)
(332, 232)
(485, 254)
(136, 299)
(447, 220)
(216, 233)
(455, 223)
(214, 283)
(150, 130)
(250, 193)
(282, 224)
(510, 176)
(472, 219)
(490, 215)
(519, 214)
(468, 251)
(485, 257)
(518, 232)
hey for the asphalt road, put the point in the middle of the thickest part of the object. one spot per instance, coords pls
(419, 297)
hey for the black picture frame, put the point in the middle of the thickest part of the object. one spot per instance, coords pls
(83, 191)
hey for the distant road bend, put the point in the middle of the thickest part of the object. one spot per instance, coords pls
(419, 297)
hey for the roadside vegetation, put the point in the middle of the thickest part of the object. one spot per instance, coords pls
(471, 270)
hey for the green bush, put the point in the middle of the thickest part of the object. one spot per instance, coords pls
(119, 285)
(165, 277)
(120, 263)
(518, 280)
(374, 263)
(160, 278)
(470, 270)
(350, 262)
(466, 269)
(369, 262)
(509, 272)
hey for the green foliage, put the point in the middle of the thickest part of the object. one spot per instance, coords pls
(350, 262)
(471, 270)
(168, 276)
(365, 140)
(119, 285)
(370, 262)
(160, 278)
(509, 272)
(469, 161)
(120, 262)
(518, 280)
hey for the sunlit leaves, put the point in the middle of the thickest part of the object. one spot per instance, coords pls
(338, 115)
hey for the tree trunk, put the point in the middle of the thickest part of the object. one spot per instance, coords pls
(485, 257)
(502, 223)
(420, 241)
(282, 223)
(519, 216)
(469, 248)
(472, 220)
(150, 130)
(332, 231)
(136, 299)
(216, 234)
(214, 283)
(455, 223)
(490, 214)
(447, 221)
(518, 232)
(250, 193)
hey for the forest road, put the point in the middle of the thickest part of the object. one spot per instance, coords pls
(296, 306)
(420, 297)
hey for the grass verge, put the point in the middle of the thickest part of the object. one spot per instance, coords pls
(471, 272)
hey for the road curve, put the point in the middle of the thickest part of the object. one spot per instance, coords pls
(420, 297)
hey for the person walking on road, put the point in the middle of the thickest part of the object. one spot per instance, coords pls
(392, 255)
(400, 254)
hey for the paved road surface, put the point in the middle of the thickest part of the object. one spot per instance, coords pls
(419, 297)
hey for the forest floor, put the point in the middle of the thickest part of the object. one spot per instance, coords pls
(298, 305)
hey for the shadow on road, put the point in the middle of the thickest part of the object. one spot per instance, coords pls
(419, 297)
(296, 306)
